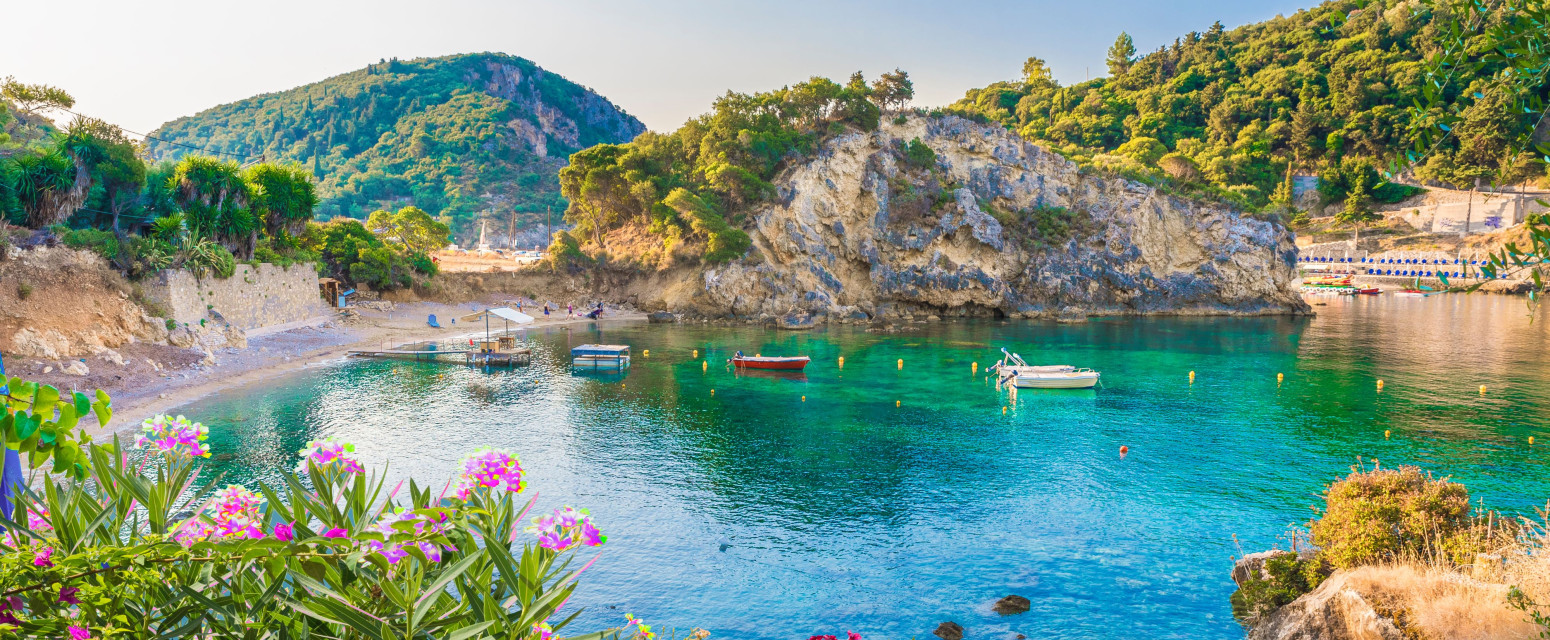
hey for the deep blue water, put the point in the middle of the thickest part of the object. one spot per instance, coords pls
(844, 511)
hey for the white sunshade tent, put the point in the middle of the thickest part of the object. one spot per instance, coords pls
(504, 313)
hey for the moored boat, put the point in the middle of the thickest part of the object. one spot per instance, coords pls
(1072, 379)
(772, 363)
(1366, 291)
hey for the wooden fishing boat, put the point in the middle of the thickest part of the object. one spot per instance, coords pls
(772, 363)
(1366, 291)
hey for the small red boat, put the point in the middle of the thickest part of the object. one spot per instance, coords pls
(1366, 291)
(792, 363)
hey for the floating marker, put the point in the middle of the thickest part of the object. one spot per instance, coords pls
(1279, 378)
(1003, 410)
(1192, 377)
(974, 368)
(1482, 389)
(1122, 451)
(896, 403)
(645, 353)
(712, 392)
(1531, 441)
(1385, 434)
(901, 363)
(621, 385)
(842, 362)
(1380, 384)
(696, 353)
(804, 398)
(704, 364)
(758, 355)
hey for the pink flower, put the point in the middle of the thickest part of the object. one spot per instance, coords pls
(543, 631)
(79, 633)
(329, 454)
(336, 533)
(851, 635)
(7, 605)
(67, 595)
(566, 529)
(488, 468)
(235, 516)
(42, 559)
(394, 551)
(284, 532)
(175, 436)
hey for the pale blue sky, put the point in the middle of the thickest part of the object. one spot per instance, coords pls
(140, 63)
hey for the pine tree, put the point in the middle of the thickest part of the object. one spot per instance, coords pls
(1121, 55)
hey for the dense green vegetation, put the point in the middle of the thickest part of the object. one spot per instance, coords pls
(688, 186)
(454, 136)
(1234, 112)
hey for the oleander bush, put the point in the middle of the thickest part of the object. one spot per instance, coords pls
(113, 542)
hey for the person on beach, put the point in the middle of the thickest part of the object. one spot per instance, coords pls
(570, 310)
(546, 311)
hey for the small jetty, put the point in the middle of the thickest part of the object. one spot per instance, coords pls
(419, 351)
(601, 356)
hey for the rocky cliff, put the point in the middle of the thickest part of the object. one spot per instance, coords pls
(991, 225)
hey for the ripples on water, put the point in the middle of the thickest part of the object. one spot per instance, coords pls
(847, 512)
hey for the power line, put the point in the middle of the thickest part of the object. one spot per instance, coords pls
(171, 142)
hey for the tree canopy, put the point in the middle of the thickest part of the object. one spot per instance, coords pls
(1242, 106)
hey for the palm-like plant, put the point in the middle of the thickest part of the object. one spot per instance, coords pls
(216, 202)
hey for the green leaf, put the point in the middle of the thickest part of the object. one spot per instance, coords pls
(469, 632)
(44, 402)
(82, 404)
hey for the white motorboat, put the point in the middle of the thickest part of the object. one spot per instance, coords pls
(1073, 379)
(1014, 371)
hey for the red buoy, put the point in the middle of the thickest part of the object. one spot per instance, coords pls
(1122, 451)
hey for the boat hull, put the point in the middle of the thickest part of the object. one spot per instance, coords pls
(772, 364)
(601, 362)
(1073, 380)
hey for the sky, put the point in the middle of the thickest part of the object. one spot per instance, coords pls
(140, 63)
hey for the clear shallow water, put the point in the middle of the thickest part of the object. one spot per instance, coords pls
(845, 511)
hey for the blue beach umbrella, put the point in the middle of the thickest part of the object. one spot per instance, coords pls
(11, 473)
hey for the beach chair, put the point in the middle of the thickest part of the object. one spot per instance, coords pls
(432, 321)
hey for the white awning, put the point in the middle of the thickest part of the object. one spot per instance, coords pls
(501, 312)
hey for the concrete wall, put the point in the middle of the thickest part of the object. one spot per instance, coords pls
(1488, 212)
(250, 299)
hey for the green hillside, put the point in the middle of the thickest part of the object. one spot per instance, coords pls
(1327, 90)
(455, 136)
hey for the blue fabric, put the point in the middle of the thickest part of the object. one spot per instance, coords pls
(11, 478)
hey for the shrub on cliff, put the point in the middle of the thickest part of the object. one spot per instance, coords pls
(350, 252)
(694, 181)
(1388, 514)
(1289, 576)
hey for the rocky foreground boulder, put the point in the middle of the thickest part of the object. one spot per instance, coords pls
(992, 225)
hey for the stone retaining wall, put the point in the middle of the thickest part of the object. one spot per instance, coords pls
(251, 298)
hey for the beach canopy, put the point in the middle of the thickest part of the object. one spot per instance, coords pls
(503, 313)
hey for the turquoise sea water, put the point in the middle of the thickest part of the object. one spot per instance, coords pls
(755, 514)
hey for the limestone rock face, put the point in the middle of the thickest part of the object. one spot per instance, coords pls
(856, 229)
(1331, 612)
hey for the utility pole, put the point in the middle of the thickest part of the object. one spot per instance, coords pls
(512, 237)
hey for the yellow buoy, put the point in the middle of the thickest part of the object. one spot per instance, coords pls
(704, 364)
(1531, 441)
(901, 363)
(712, 392)
(1192, 377)
(896, 403)
(842, 362)
(696, 353)
(645, 353)
(621, 385)
(1385, 434)
(974, 368)
(1380, 384)
(804, 398)
(1003, 410)
(1482, 389)
(1280, 377)
(758, 355)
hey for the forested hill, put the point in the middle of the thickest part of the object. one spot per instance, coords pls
(457, 135)
(1323, 89)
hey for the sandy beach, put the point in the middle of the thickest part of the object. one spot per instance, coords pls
(156, 379)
